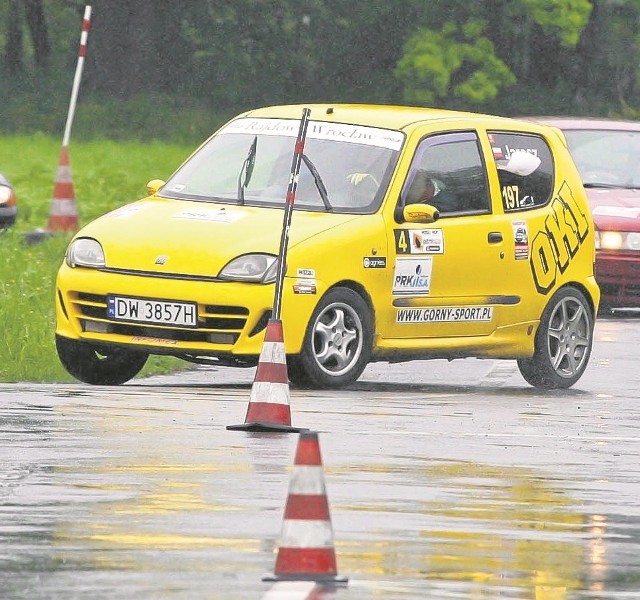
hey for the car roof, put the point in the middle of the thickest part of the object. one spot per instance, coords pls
(587, 123)
(375, 115)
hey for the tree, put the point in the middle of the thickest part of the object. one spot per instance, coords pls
(607, 58)
(497, 44)
(456, 62)
(39, 32)
(138, 47)
(13, 50)
(30, 12)
(566, 56)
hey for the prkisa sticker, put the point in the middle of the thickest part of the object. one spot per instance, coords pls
(412, 276)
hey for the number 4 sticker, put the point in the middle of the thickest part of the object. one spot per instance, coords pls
(403, 245)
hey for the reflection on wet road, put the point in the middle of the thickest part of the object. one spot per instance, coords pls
(444, 481)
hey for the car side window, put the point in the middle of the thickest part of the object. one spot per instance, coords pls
(448, 173)
(525, 169)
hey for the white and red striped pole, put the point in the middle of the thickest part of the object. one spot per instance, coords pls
(288, 208)
(82, 52)
(269, 403)
(63, 215)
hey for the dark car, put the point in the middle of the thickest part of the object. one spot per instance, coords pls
(607, 154)
(8, 207)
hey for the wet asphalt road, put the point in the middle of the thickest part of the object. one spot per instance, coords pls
(444, 480)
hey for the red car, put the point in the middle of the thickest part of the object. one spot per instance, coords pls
(607, 154)
(8, 208)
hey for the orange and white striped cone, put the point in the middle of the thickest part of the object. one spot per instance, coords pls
(64, 214)
(306, 551)
(269, 402)
(296, 590)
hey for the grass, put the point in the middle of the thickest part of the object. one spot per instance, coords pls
(106, 174)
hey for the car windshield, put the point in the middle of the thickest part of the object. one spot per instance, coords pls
(346, 168)
(606, 158)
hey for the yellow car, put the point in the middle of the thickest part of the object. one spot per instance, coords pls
(415, 233)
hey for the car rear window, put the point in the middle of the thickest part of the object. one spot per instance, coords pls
(525, 183)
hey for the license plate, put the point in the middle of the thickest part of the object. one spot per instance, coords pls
(145, 310)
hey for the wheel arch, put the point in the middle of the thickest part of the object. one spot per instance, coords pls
(295, 338)
(359, 289)
(581, 288)
(562, 348)
(336, 352)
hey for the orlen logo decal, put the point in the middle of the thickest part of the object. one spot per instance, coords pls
(552, 249)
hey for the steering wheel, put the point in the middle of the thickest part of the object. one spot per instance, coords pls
(357, 179)
(362, 188)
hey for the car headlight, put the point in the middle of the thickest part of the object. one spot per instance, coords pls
(633, 241)
(617, 240)
(259, 268)
(6, 195)
(85, 252)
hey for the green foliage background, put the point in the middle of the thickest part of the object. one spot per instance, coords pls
(168, 69)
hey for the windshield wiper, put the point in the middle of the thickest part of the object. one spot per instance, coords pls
(247, 170)
(322, 190)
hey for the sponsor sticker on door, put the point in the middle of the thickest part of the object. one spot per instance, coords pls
(412, 276)
(444, 314)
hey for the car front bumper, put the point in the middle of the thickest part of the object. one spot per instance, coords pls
(232, 316)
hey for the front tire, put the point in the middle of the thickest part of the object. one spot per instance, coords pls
(99, 365)
(563, 342)
(337, 343)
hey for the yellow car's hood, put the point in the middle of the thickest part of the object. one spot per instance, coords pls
(196, 238)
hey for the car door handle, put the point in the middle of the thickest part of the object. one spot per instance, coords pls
(494, 237)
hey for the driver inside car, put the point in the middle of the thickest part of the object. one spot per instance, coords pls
(427, 190)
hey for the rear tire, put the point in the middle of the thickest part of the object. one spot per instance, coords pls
(337, 344)
(563, 342)
(99, 365)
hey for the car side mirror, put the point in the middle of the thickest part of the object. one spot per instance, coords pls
(154, 185)
(420, 213)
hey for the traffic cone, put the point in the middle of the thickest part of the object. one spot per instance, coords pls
(296, 590)
(269, 402)
(306, 551)
(64, 214)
